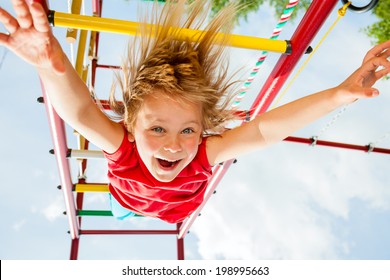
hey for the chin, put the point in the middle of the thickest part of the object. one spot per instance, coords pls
(168, 176)
(164, 179)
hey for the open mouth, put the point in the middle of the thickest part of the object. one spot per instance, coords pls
(167, 164)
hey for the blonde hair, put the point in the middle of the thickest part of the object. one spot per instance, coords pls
(186, 71)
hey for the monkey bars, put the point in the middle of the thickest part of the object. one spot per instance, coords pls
(312, 21)
(59, 19)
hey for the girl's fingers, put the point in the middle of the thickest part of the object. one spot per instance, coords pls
(381, 73)
(376, 62)
(373, 70)
(386, 54)
(39, 18)
(23, 14)
(3, 39)
(9, 22)
(377, 51)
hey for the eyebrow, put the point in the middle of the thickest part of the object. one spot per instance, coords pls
(152, 118)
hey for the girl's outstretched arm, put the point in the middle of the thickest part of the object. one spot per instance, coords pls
(30, 37)
(277, 124)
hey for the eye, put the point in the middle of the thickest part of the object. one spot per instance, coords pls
(188, 131)
(158, 129)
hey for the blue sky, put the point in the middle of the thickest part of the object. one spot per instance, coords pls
(289, 201)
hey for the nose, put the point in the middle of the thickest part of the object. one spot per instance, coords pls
(173, 145)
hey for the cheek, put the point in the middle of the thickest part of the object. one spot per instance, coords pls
(147, 144)
(191, 146)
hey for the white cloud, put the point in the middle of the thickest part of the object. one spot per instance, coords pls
(287, 203)
(349, 175)
(18, 225)
(37, 172)
(269, 230)
(54, 209)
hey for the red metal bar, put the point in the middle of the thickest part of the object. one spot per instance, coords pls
(105, 231)
(97, 10)
(74, 249)
(180, 244)
(80, 196)
(312, 21)
(96, 7)
(218, 173)
(57, 129)
(108, 66)
(310, 24)
(79, 203)
(93, 68)
(364, 148)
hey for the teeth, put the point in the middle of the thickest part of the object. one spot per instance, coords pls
(167, 163)
(169, 160)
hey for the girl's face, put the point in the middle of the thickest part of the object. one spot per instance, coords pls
(167, 134)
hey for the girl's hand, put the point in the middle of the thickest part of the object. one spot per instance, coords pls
(30, 37)
(374, 67)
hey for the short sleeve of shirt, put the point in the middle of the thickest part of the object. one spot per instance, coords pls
(125, 150)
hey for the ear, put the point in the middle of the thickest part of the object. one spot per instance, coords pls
(200, 139)
(130, 136)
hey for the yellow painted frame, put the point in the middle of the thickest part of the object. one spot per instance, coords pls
(83, 22)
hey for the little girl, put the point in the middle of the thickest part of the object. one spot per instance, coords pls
(174, 92)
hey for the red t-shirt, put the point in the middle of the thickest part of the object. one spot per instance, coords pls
(136, 189)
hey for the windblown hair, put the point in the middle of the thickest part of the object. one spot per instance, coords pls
(185, 69)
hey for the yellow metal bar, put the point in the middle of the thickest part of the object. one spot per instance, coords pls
(71, 33)
(92, 46)
(81, 146)
(84, 74)
(130, 28)
(81, 188)
(81, 52)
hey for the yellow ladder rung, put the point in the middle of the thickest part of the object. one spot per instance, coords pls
(83, 22)
(81, 188)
